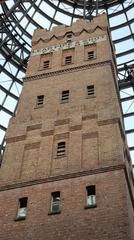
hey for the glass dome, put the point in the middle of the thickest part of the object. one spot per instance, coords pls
(20, 18)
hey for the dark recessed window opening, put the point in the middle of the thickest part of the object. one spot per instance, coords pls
(91, 196)
(55, 202)
(69, 35)
(40, 100)
(65, 96)
(22, 209)
(68, 60)
(61, 148)
(90, 90)
(90, 55)
(46, 64)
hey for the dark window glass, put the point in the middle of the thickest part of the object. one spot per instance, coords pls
(46, 64)
(40, 100)
(69, 35)
(90, 55)
(90, 90)
(68, 60)
(65, 96)
(22, 209)
(55, 202)
(91, 196)
(61, 148)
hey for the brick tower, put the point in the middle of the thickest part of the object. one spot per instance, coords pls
(66, 172)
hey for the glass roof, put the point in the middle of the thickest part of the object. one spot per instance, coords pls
(20, 18)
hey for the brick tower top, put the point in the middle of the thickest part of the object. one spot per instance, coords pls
(61, 38)
(78, 26)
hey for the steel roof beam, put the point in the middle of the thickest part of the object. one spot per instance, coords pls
(125, 115)
(6, 110)
(122, 25)
(15, 79)
(131, 148)
(125, 84)
(127, 98)
(9, 93)
(3, 128)
(129, 131)
(123, 39)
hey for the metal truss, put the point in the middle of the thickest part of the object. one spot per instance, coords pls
(127, 83)
(18, 20)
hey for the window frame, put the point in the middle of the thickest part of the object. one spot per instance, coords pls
(68, 60)
(90, 52)
(46, 64)
(90, 55)
(55, 203)
(91, 196)
(65, 96)
(69, 35)
(22, 208)
(61, 149)
(90, 90)
(40, 101)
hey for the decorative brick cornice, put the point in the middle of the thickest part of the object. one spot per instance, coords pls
(108, 121)
(69, 70)
(89, 117)
(75, 34)
(32, 145)
(75, 128)
(47, 133)
(15, 139)
(34, 127)
(62, 122)
(61, 135)
(90, 135)
(63, 177)
(114, 121)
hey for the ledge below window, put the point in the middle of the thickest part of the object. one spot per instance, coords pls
(59, 157)
(20, 219)
(64, 101)
(54, 213)
(92, 206)
(39, 106)
(42, 69)
(90, 96)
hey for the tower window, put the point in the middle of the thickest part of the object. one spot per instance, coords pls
(40, 100)
(90, 90)
(46, 64)
(91, 196)
(22, 209)
(68, 60)
(65, 96)
(90, 55)
(69, 35)
(61, 149)
(55, 202)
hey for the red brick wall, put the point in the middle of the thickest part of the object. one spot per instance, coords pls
(109, 220)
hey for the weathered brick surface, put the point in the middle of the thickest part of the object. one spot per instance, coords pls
(96, 151)
(77, 123)
(109, 220)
